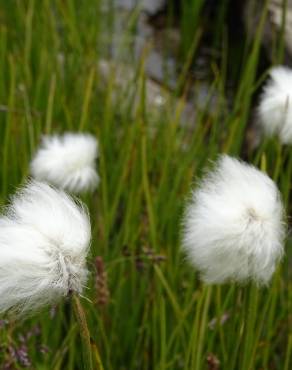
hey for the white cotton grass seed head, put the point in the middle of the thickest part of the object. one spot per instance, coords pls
(233, 225)
(275, 108)
(67, 162)
(44, 241)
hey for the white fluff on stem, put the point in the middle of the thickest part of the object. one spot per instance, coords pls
(67, 162)
(44, 240)
(233, 225)
(275, 108)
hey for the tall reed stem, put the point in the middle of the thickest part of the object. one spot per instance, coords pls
(84, 333)
(251, 306)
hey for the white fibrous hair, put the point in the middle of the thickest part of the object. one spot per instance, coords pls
(234, 224)
(44, 241)
(67, 162)
(275, 108)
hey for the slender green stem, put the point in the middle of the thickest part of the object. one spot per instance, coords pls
(288, 353)
(84, 333)
(97, 357)
(197, 339)
(203, 326)
(249, 328)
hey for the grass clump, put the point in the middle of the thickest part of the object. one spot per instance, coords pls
(156, 313)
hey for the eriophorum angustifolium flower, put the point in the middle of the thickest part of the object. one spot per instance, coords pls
(275, 108)
(233, 226)
(44, 241)
(67, 161)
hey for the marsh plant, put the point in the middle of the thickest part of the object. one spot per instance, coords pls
(67, 161)
(45, 237)
(234, 226)
(275, 108)
(155, 278)
(44, 241)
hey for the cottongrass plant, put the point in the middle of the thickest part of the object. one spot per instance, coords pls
(275, 107)
(67, 162)
(44, 241)
(233, 232)
(233, 226)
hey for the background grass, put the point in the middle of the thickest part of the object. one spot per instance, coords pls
(156, 313)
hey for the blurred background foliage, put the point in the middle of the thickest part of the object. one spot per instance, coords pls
(165, 87)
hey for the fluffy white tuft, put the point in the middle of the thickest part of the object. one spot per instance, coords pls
(67, 162)
(44, 241)
(233, 226)
(275, 108)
